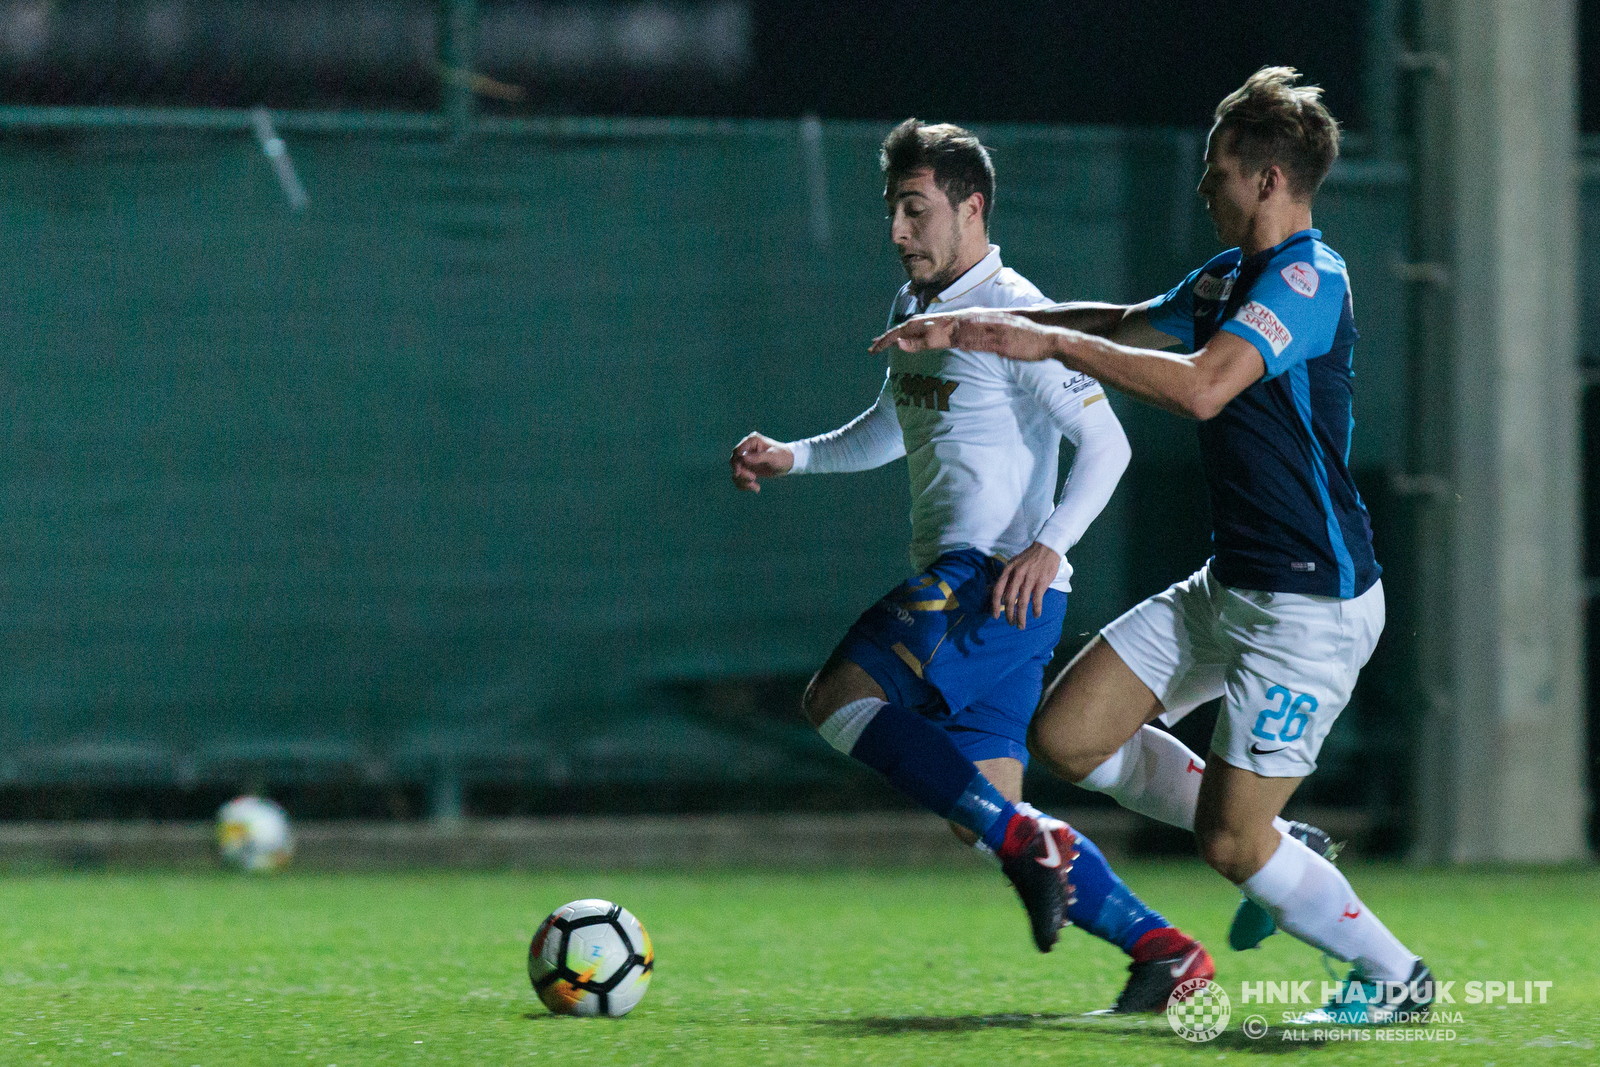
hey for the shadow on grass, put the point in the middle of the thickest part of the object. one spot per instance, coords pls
(1152, 1029)
(938, 1024)
(1270, 1043)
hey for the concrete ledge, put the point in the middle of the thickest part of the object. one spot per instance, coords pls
(630, 842)
(794, 841)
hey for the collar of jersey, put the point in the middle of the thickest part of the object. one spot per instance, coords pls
(1301, 235)
(982, 271)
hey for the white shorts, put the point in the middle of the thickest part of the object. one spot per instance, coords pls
(1284, 664)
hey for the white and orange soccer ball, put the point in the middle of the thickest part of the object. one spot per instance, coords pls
(253, 835)
(591, 957)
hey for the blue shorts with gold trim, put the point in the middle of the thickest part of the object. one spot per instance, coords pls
(933, 647)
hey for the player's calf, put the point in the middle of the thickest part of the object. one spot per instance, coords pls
(915, 755)
(1233, 820)
(1253, 924)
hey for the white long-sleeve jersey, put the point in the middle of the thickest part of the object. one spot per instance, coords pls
(982, 436)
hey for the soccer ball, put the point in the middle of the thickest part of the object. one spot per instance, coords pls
(253, 834)
(591, 957)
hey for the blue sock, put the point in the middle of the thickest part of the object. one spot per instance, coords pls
(921, 761)
(1104, 906)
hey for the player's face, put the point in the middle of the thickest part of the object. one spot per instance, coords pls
(925, 228)
(1230, 193)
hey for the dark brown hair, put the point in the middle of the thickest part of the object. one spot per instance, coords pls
(960, 164)
(1273, 120)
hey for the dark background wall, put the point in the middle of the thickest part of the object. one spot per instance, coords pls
(1134, 63)
(421, 479)
(424, 484)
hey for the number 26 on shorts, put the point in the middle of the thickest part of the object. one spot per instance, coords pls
(1295, 711)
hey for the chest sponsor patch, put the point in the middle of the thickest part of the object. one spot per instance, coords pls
(1302, 278)
(922, 391)
(1210, 287)
(1260, 318)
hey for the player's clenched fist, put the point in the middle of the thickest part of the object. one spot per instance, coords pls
(758, 457)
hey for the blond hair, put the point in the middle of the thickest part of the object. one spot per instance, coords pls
(1275, 121)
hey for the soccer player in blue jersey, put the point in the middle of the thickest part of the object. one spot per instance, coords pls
(1280, 620)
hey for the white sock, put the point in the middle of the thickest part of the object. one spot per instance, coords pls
(1157, 775)
(1308, 897)
(844, 727)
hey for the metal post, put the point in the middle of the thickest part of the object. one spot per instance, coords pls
(1500, 754)
(816, 169)
(1427, 482)
(446, 799)
(1381, 74)
(457, 56)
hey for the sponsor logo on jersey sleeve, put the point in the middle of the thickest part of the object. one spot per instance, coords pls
(1080, 383)
(1302, 278)
(1260, 318)
(1211, 287)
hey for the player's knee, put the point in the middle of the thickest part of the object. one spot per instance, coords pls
(824, 695)
(1080, 763)
(1057, 749)
(1037, 746)
(811, 702)
(1227, 851)
(1041, 747)
(838, 683)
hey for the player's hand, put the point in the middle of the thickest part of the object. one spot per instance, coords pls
(1000, 332)
(758, 457)
(921, 333)
(1023, 584)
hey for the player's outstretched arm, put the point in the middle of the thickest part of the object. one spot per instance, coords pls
(1127, 324)
(757, 457)
(869, 440)
(1196, 386)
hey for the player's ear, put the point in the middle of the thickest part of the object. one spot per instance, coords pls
(1272, 179)
(972, 208)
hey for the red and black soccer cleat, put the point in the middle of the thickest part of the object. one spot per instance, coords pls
(1163, 960)
(1037, 856)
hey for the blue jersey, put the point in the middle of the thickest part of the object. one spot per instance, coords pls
(1285, 512)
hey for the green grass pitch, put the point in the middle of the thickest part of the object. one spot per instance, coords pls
(835, 967)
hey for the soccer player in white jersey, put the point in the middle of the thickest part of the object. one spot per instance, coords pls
(935, 685)
(1281, 619)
